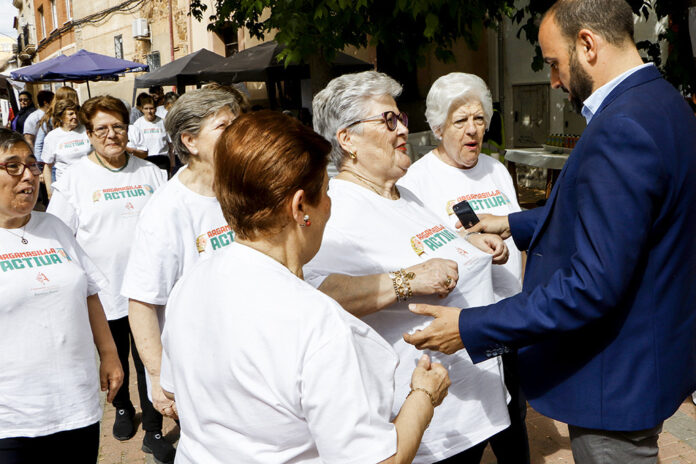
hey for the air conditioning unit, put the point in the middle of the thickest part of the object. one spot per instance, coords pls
(140, 28)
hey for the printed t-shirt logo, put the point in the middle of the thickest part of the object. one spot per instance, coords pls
(218, 238)
(480, 201)
(431, 239)
(119, 193)
(77, 143)
(33, 259)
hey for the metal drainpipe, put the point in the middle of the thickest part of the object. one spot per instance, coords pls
(171, 30)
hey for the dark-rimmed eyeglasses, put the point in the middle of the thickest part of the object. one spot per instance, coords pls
(103, 131)
(390, 118)
(16, 169)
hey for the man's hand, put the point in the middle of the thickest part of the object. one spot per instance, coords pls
(442, 334)
(490, 224)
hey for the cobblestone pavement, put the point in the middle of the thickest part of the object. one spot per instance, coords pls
(548, 439)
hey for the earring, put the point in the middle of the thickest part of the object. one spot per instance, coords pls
(353, 155)
(306, 220)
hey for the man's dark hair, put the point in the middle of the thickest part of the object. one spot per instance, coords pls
(611, 19)
(139, 98)
(44, 97)
(156, 89)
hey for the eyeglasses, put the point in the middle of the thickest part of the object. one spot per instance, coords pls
(103, 131)
(24, 100)
(390, 118)
(16, 169)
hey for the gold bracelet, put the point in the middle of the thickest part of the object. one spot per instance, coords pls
(421, 389)
(400, 280)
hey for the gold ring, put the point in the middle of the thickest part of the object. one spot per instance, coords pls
(449, 281)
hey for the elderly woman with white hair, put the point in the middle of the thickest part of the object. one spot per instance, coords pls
(382, 249)
(180, 224)
(459, 109)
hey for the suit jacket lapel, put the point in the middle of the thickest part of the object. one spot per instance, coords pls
(639, 77)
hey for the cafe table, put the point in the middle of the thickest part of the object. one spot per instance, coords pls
(538, 157)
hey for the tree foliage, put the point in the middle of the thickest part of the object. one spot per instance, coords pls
(678, 66)
(402, 30)
(405, 30)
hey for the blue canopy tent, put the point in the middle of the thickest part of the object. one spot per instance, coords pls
(82, 66)
(35, 72)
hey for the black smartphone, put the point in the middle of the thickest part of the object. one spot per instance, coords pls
(465, 214)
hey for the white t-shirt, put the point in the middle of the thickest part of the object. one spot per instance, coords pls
(136, 139)
(63, 148)
(288, 375)
(156, 139)
(31, 124)
(487, 187)
(161, 112)
(48, 375)
(102, 207)
(176, 228)
(368, 234)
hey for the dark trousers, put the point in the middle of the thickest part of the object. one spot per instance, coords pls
(78, 446)
(511, 445)
(591, 446)
(151, 419)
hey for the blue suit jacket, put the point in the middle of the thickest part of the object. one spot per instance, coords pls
(606, 322)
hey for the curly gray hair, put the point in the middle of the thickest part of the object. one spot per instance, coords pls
(188, 113)
(454, 89)
(343, 102)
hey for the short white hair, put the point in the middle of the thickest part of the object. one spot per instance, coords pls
(343, 102)
(454, 89)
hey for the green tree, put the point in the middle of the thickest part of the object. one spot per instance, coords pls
(402, 30)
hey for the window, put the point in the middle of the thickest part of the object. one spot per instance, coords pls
(153, 60)
(68, 13)
(54, 13)
(118, 46)
(42, 20)
(228, 35)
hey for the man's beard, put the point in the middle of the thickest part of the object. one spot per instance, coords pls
(580, 85)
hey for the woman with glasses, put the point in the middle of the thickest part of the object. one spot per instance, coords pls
(99, 197)
(382, 249)
(50, 321)
(26, 108)
(459, 109)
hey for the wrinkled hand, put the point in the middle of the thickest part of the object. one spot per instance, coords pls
(433, 378)
(436, 276)
(491, 244)
(490, 224)
(110, 375)
(442, 334)
(164, 405)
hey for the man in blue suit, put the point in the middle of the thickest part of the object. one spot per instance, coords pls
(606, 323)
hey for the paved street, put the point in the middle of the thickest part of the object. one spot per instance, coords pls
(548, 439)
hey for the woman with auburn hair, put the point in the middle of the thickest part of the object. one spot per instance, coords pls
(100, 197)
(301, 380)
(65, 144)
(50, 322)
